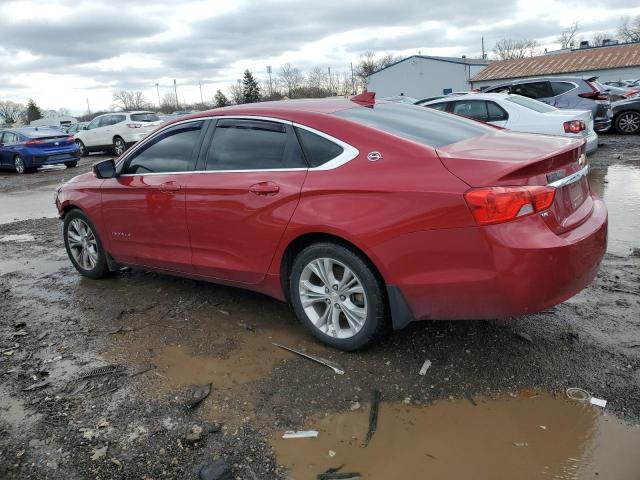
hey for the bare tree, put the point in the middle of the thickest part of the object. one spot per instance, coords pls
(510, 49)
(63, 112)
(369, 64)
(317, 83)
(290, 79)
(49, 114)
(127, 100)
(629, 29)
(568, 36)
(597, 40)
(169, 103)
(12, 112)
(237, 93)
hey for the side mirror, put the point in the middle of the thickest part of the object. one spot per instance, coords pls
(105, 169)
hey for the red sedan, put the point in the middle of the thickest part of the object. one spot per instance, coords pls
(357, 212)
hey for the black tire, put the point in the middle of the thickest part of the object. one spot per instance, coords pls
(119, 146)
(372, 285)
(19, 165)
(83, 149)
(100, 268)
(71, 164)
(628, 122)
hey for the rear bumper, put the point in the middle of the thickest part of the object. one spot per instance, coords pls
(602, 124)
(498, 271)
(592, 142)
(53, 159)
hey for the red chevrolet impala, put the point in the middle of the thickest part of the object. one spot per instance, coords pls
(357, 212)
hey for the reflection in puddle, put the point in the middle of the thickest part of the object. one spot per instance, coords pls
(27, 205)
(619, 186)
(523, 438)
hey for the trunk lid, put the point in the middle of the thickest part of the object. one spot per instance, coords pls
(51, 142)
(513, 159)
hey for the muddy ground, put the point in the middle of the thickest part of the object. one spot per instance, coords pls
(59, 418)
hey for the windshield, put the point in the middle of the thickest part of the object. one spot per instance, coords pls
(419, 124)
(530, 103)
(145, 117)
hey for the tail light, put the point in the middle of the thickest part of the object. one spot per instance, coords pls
(70, 138)
(630, 93)
(574, 126)
(134, 125)
(594, 94)
(491, 205)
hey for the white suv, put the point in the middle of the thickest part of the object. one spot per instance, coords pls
(116, 131)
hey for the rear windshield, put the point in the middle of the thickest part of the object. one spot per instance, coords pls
(530, 103)
(145, 117)
(423, 125)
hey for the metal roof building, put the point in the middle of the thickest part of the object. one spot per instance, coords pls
(423, 76)
(608, 63)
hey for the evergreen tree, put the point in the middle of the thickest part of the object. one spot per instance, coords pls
(220, 99)
(250, 88)
(33, 111)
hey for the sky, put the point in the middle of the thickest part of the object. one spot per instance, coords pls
(62, 53)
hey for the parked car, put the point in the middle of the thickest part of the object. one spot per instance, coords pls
(357, 212)
(26, 149)
(116, 131)
(572, 93)
(76, 127)
(618, 93)
(521, 114)
(626, 116)
(401, 99)
(619, 84)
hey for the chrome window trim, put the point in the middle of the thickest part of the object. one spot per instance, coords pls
(349, 152)
(574, 177)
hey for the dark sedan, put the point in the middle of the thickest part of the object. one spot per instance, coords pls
(626, 116)
(26, 149)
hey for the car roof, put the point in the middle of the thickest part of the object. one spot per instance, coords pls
(474, 96)
(540, 79)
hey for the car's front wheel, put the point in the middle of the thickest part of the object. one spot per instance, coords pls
(83, 150)
(628, 123)
(119, 147)
(337, 294)
(83, 245)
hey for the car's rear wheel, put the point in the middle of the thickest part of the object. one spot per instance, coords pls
(83, 245)
(83, 150)
(337, 294)
(119, 147)
(628, 123)
(18, 164)
(71, 164)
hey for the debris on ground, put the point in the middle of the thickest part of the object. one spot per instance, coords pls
(598, 402)
(98, 453)
(524, 336)
(300, 434)
(471, 399)
(373, 415)
(142, 370)
(36, 386)
(217, 469)
(106, 370)
(197, 394)
(323, 361)
(335, 474)
(425, 367)
(578, 394)
(520, 444)
(193, 435)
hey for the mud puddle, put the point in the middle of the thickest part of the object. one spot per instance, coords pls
(619, 186)
(523, 437)
(18, 206)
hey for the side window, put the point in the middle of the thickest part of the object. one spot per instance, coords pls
(9, 137)
(318, 150)
(170, 151)
(561, 87)
(533, 89)
(439, 106)
(253, 145)
(105, 121)
(117, 119)
(94, 123)
(476, 109)
(496, 112)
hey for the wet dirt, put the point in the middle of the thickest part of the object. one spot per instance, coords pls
(526, 437)
(56, 325)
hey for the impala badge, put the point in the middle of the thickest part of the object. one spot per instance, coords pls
(374, 156)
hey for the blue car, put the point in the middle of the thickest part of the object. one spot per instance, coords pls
(26, 149)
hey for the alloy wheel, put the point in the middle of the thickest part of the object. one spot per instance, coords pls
(119, 146)
(333, 298)
(629, 122)
(82, 244)
(81, 147)
(19, 164)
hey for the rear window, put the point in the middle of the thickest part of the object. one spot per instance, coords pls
(317, 150)
(530, 103)
(145, 117)
(419, 124)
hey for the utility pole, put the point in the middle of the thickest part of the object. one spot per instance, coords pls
(158, 92)
(270, 85)
(175, 89)
(329, 70)
(201, 99)
(353, 81)
(88, 108)
(483, 54)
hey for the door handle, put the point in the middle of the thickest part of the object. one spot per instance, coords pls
(169, 187)
(264, 188)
